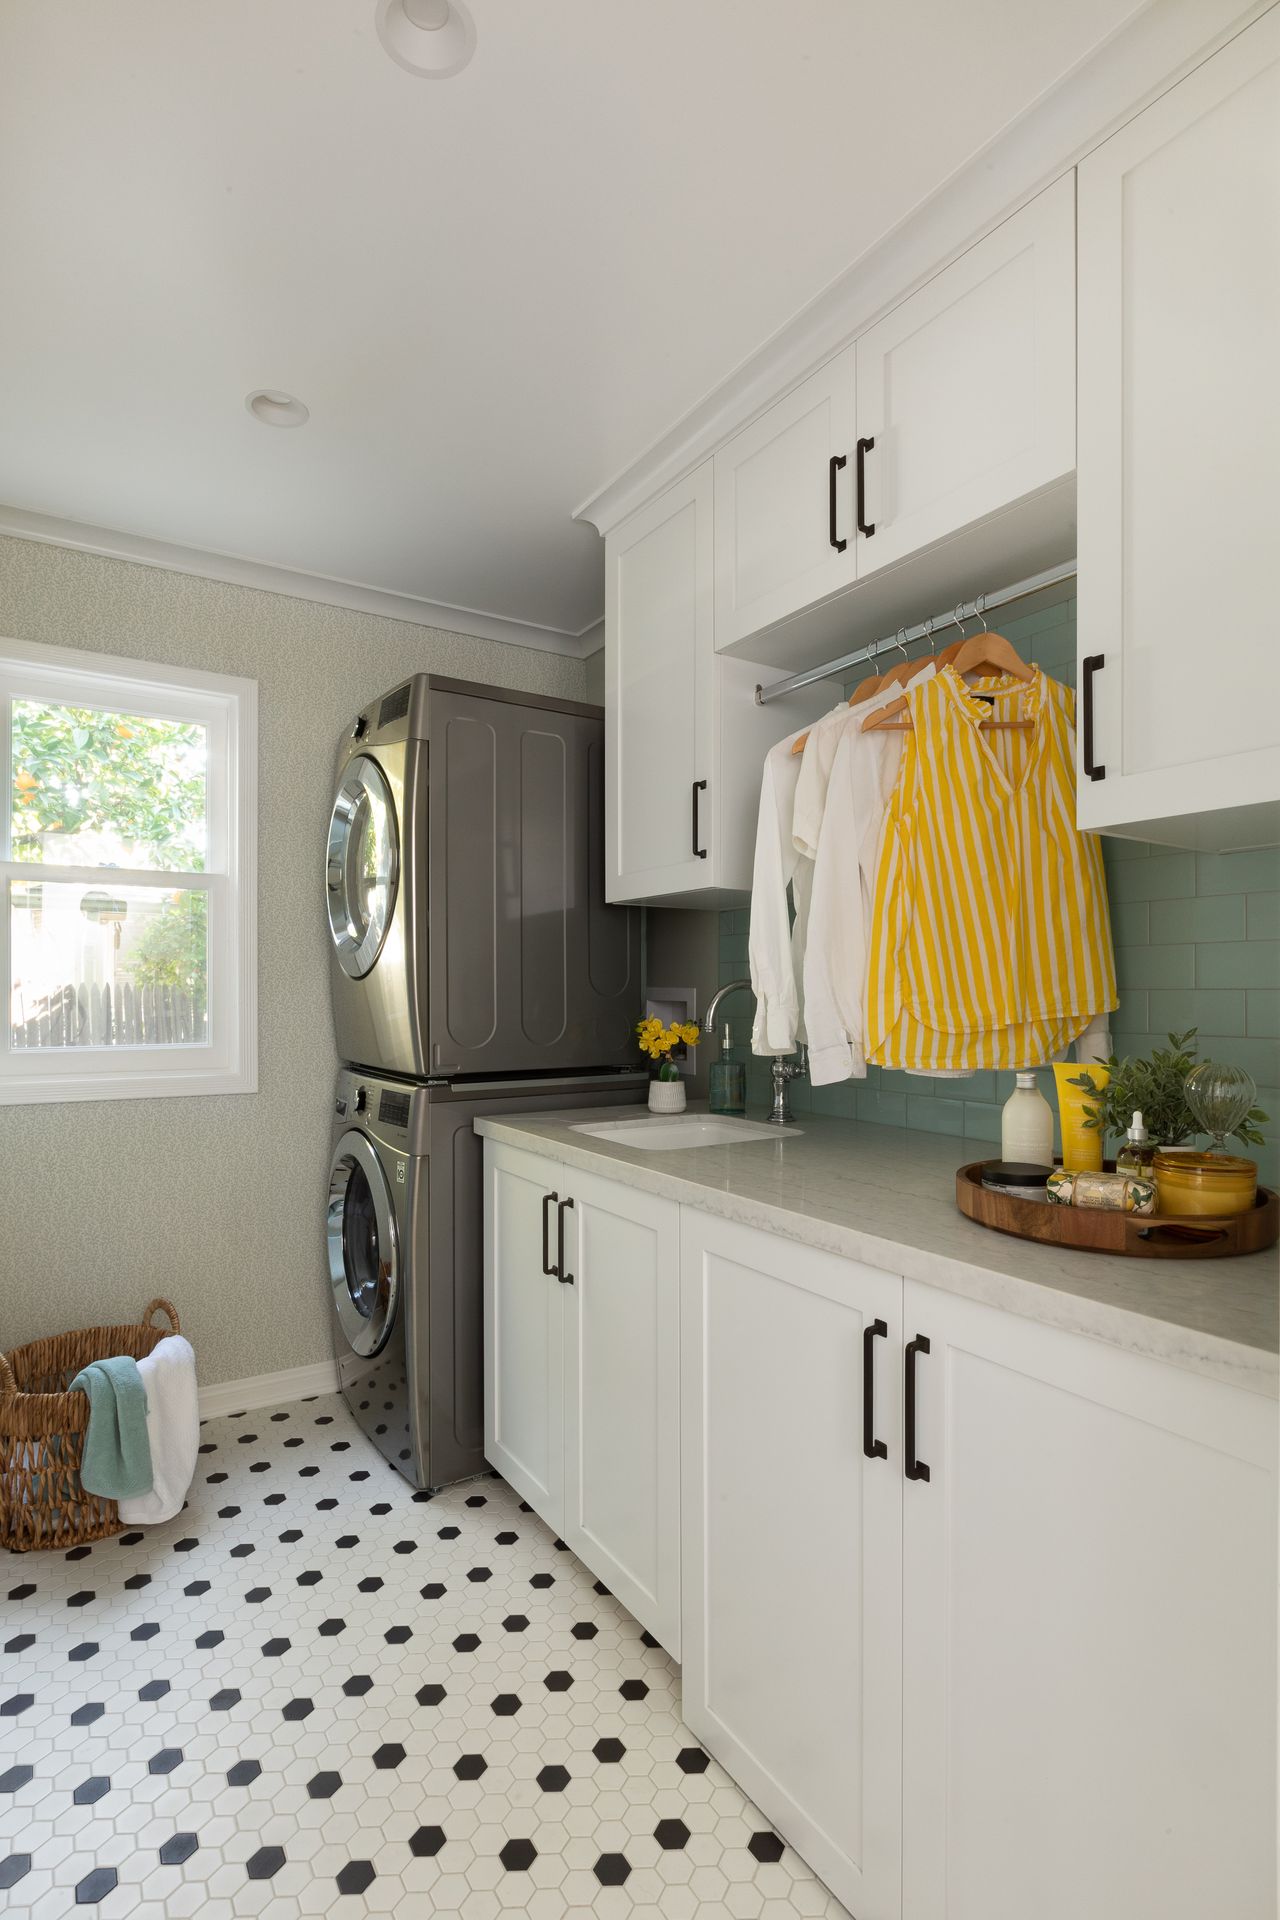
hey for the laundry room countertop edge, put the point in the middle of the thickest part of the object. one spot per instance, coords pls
(887, 1196)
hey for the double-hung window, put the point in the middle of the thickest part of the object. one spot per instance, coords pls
(127, 842)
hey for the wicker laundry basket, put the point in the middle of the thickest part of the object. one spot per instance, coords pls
(42, 1429)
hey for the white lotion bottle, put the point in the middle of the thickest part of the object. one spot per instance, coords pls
(1026, 1125)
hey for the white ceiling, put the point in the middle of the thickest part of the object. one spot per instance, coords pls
(492, 292)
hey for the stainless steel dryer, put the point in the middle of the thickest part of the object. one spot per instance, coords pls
(465, 888)
(405, 1228)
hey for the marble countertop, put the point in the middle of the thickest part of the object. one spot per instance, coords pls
(886, 1195)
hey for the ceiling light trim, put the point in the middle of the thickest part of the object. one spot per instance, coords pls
(429, 53)
(262, 576)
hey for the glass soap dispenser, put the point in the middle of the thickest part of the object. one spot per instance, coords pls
(727, 1080)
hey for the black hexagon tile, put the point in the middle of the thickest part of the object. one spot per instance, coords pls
(410, 1706)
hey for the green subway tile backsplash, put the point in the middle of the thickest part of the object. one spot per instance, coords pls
(1247, 963)
(1155, 967)
(1162, 876)
(1219, 917)
(1197, 940)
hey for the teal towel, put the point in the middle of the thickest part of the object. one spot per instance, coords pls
(117, 1453)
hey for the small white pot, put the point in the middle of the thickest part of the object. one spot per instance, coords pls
(666, 1096)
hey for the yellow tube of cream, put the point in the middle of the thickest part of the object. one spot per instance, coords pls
(1081, 1147)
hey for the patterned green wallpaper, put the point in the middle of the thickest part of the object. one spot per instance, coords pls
(1197, 939)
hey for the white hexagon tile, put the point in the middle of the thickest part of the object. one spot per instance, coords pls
(319, 1693)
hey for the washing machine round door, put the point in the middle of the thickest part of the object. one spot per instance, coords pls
(364, 1247)
(363, 871)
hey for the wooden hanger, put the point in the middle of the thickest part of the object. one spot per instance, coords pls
(986, 652)
(990, 653)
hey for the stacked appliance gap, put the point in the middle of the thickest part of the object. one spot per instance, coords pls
(476, 967)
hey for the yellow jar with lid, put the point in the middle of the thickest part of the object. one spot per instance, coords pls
(1209, 1183)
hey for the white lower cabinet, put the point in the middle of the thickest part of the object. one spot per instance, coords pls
(622, 1397)
(1089, 1631)
(582, 1370)
(980, 1613)
(1022, 1663)
(792, 1543)
(523, 1329)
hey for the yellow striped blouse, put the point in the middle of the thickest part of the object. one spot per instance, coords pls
(990, 939)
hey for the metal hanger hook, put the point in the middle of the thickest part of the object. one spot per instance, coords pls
(958, 617)
(902, 643)
(928, 634)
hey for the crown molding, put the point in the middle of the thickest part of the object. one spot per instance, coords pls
(1146, 56)
(264, 578)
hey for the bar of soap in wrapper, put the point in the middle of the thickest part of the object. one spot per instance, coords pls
(1108, 1192)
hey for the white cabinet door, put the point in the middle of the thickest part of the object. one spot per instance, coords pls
(792, 1543)
(784, 506)
(622, 1396)
(1089, 1631)
(1179, 426)
(523, 1328)
(966, 392)
(660, 696)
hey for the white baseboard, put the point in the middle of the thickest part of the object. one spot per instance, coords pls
(268, 1389)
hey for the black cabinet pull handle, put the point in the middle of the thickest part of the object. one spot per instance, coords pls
(873, 1448)
(699, 786)
(548, 1201)
(838, 460)
(565, 1279)
(864, 448)
(916, 1469)
(1090, 666)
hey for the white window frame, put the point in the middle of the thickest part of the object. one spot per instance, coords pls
(227, 707)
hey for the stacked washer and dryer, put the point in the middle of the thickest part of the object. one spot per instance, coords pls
(476, 968)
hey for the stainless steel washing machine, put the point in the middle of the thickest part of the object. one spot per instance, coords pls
(405, 1229)
(465, 888)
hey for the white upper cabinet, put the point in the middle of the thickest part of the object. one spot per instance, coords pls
(784, 534)
(954, 407)
(966, 392)
(659, 694)
(1179, 425)
(684, 738)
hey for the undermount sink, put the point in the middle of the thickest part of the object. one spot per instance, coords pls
(659, 1134)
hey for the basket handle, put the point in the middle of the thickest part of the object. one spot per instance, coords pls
(166, 1306)
(8, 1385)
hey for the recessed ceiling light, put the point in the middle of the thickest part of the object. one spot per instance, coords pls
(276, 409)
(432, 38)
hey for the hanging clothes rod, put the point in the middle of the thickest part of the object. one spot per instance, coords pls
(967, 610)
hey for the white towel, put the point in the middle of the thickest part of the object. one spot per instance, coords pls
(173, 1428)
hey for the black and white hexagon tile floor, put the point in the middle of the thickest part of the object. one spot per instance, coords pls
(317, 1693)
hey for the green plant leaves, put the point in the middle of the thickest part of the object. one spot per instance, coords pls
(1156, 1088)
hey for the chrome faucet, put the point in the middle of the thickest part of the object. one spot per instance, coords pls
(784, 1071)
(734, 986)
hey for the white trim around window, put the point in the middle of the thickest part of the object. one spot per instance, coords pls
(225, 1059)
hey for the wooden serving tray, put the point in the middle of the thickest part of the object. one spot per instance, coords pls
(1152, 1236)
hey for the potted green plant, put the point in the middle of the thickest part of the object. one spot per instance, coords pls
(1155, 1087)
